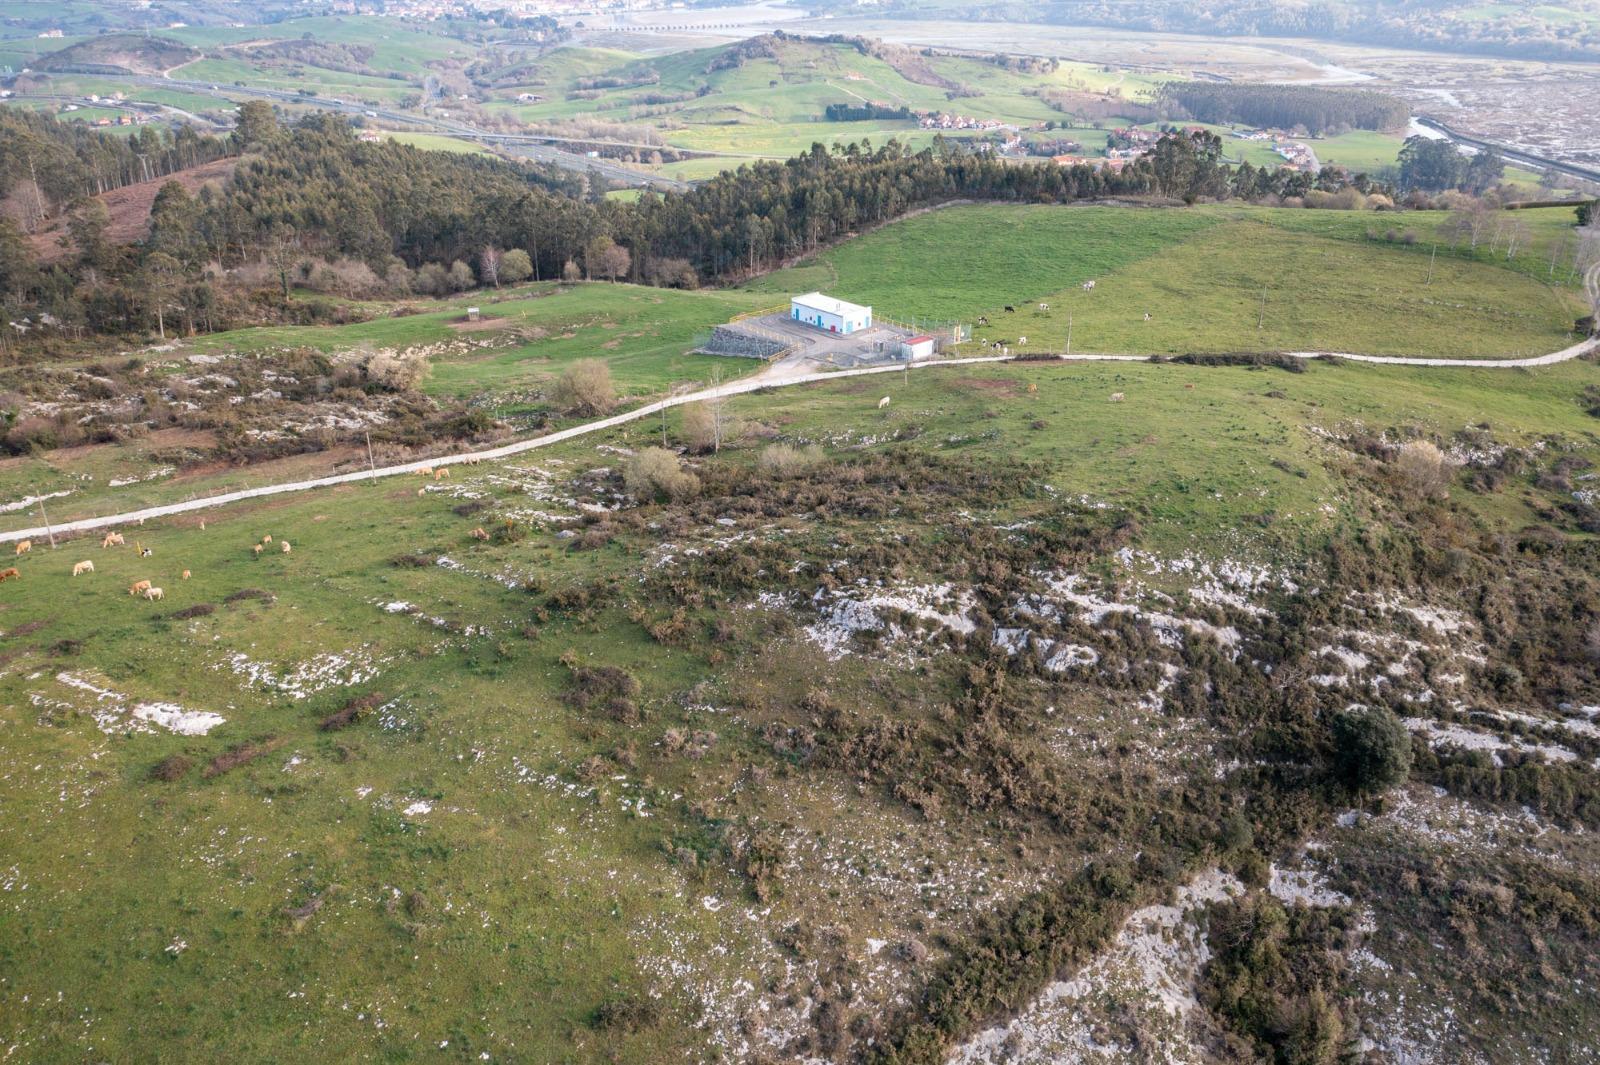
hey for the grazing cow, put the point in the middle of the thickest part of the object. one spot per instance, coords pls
(257, 549)
(440, 474)
(267, 539)
(1147, 316)
(479, 534)
(1010, 309)
(24, 546)
(426, 471)
(1022, 340)
(1088, 286)
(1116, 397)
(1188, 388)
(422, 491)
(153, 594)
(113, 539)
(982, 320)
(884, 402)
(185, 574)
(139, 586)
(144, 552)
(202, 525)
(83, 567)
(286, 548)
(6, 575)
(1044, 306)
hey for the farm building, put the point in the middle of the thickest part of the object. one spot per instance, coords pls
(918, 347)
(827, 313)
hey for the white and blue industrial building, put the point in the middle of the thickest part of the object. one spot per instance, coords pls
(829, 314)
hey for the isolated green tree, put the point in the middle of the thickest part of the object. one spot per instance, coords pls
(1431, 165)
(515, 266)
(1372, 749)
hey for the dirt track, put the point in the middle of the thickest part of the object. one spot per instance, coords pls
(733, 388)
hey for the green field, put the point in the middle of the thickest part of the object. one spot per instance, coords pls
(1212, 279)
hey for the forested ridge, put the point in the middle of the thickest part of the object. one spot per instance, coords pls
(1524, 32)
(312, 204)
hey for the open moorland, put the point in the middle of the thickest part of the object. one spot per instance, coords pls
(767, 764)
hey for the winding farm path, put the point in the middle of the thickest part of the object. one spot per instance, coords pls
(776, 377)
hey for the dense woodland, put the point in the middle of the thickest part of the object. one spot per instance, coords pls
(312, 205)
(1317, 111)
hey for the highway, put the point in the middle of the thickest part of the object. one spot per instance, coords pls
(1513, 154)
(538, 148)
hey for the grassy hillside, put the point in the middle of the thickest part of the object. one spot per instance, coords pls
(666, 864)
(1212, 279)
(772, 104)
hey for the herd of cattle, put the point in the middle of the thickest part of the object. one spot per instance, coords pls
(145, 588)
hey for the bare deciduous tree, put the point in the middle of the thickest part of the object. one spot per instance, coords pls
(489, 265)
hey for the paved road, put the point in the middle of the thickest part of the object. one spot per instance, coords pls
(537, 148)
(732, 388)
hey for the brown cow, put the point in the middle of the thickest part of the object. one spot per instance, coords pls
(138, 586)
(440, 474)
(256, 549)
(112, 540)
(185, 574)
(83, 567)
(286, 548)
(6, 575)
(24, 546)
(479, 534)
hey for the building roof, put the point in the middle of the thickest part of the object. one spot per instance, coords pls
(818, 302)
(917, 340)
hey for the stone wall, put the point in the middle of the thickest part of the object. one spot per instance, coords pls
(733, 341)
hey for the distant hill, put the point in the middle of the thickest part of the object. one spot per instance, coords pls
(119, 52)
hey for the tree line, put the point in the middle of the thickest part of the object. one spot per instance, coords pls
(45, 163)
(1317, 110)
(311, 205)
(1522, 31)
(864, 112)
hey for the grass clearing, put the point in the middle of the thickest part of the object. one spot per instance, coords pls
(1200, 273)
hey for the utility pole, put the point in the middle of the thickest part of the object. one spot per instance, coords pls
(48, 531)
(1431, 260)
(1261, 313)
(1069, 333)
(372, 465)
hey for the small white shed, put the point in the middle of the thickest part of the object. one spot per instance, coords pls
(918, 347)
